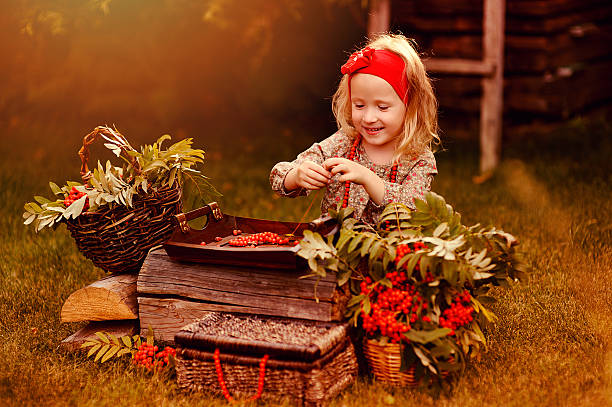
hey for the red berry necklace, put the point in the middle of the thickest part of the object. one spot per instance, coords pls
(347, 184)
(260, 384)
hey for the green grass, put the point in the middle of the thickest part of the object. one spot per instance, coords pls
(551, 346)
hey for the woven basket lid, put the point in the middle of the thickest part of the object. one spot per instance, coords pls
(282, 338)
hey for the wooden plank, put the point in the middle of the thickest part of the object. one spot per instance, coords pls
(460, 66)
(111, 298)
(379, 17)
(166, 316)
(492, 87)
(117, 328)
(162, 275)
(266, 291)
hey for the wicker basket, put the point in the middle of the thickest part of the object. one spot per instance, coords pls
(309, 362)
(385, 362)
(118, 238)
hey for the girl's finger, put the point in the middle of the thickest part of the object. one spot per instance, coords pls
(340, 168)
(309, 185)
(318, 177)
(320, 170)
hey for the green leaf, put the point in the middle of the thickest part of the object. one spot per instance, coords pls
(56, 190)
(366, 305)
(427, 336)
(103, 337)
(113, 338)
(111, 352)
(41, 199)
(366, 245)
(356, 299)
(343, 276)
(355, 242)
(172, 176)
(101, 352)
(442, 227)
(123, 351)
(127, 341)
(93, 349)
(386, 282)
(88, 344)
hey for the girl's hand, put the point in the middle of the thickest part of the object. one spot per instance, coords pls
(350, 170)
(307, 175)
(357, 173)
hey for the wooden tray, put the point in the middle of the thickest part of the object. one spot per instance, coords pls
(185, 244)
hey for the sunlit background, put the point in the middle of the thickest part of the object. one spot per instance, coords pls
(203, 69)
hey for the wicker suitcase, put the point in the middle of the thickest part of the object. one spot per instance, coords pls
(241, 355)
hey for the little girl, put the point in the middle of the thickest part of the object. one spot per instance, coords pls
(387, 122)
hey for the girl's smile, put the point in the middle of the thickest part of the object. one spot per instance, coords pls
(377, 114)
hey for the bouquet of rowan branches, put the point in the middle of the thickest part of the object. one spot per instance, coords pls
(420, 282)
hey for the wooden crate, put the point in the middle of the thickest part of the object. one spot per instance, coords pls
(172, 294)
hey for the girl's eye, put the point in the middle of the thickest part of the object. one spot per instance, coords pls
(383, 108)
(358, 106)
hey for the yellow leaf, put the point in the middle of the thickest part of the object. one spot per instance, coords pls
(101, 352)
(103, 337)
(111, 352)
(93, 350)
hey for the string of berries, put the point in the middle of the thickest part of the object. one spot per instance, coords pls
(459, 313)
(148, 356)
(347, 184)
(260, 382)
(74, 195)
(257, 239)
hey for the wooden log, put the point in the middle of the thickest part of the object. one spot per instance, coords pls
(111, 298)
(88, 332)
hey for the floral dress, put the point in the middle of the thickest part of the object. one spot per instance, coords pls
(413, 178)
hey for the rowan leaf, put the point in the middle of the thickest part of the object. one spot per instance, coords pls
(103, 337)
(93, 349)
(101, 352)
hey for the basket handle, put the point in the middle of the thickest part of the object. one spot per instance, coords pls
(113, 137)
(183, 218)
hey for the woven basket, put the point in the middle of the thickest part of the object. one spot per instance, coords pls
(385, 362)
(118, 238)
(309, 362)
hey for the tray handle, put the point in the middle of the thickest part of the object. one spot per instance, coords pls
(211, 208)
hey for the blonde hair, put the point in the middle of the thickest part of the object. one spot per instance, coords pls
(420, 130)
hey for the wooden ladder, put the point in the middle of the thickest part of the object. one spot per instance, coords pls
(490, 68)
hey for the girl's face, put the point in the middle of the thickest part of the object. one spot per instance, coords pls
(377, 111)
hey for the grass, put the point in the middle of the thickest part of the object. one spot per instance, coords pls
(551, 346)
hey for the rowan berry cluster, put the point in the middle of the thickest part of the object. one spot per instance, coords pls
(74, 195)
(394, 309)
(404, 249)
(257, 239)
(459, 313)
(148, 356)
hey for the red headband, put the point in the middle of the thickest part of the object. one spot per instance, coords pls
(382, 63)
